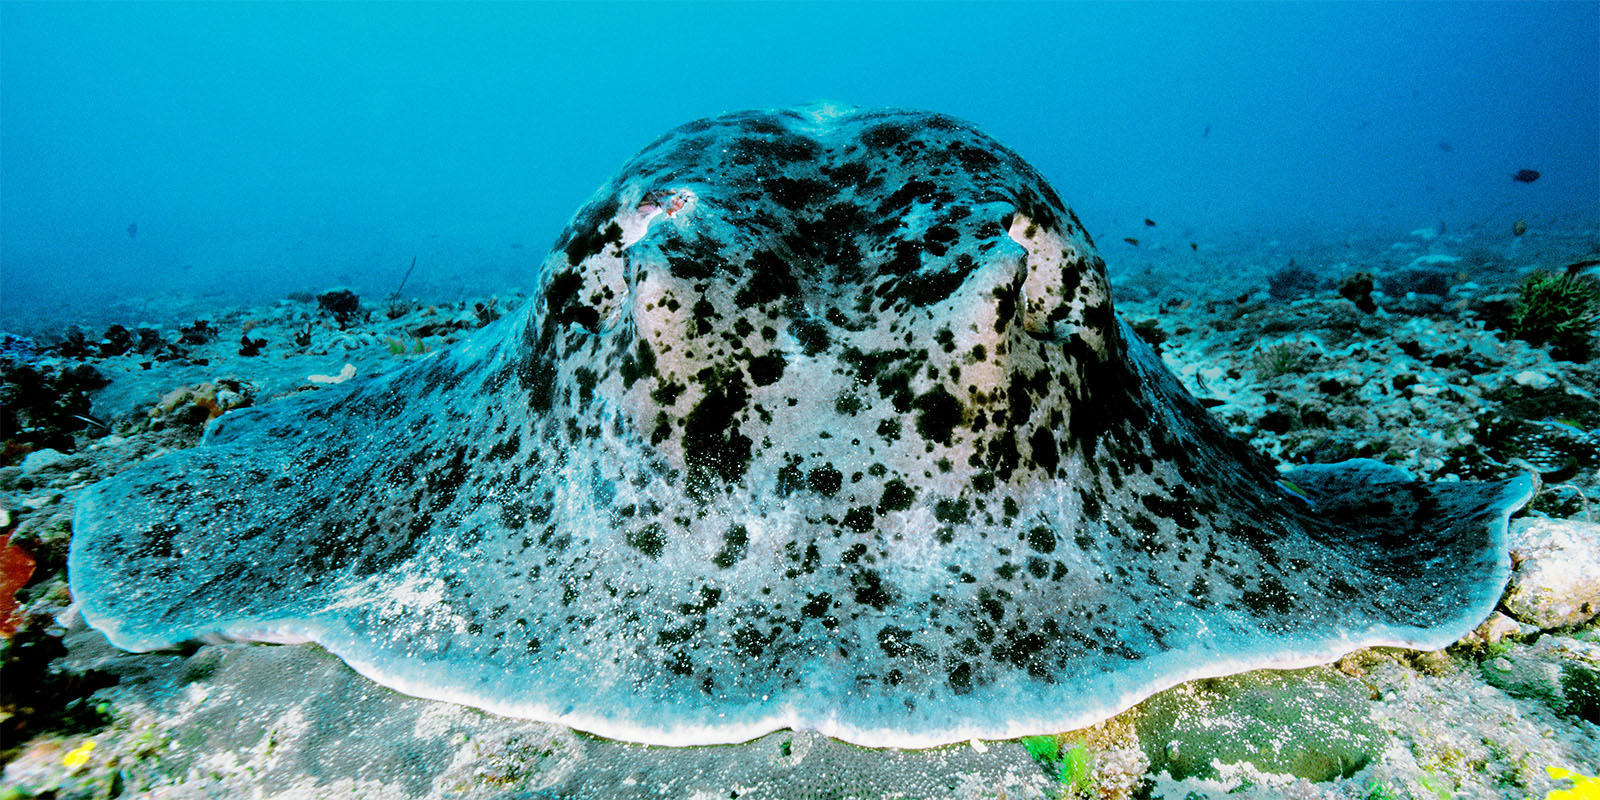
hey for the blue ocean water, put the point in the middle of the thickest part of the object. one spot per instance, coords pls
(235, 152)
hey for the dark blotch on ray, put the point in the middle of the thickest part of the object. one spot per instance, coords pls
(938, 413)
(735, 544)
(766, 370)
(1042, 539)
(824, 480)
(713, 447)
(771, 279)
(897, 496)
(812, 335)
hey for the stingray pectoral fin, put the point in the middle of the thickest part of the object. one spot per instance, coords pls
(1442, 544)
(154, 553)
(240, 539)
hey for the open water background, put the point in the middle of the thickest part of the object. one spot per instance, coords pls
(267, 148)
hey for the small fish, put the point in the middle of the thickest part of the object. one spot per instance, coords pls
(1195, 246)
(1207, 133)
(1445, 147)
(1296, 492)
(1526, 176)
(1149, 223)
(92, 421)
(1131, 240)
(133, 229)
(1518, 228)
(1570, 426)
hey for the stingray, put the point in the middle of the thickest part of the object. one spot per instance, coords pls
(817, 418)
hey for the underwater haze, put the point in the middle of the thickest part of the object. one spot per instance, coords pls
(160, 157)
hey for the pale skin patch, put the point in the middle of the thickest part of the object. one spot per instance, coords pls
(1050, 257)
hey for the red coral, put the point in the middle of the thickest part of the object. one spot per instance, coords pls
(16, 567)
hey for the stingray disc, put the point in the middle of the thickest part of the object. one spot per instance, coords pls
(818, 418)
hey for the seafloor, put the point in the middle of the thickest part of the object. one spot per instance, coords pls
(1414, 349)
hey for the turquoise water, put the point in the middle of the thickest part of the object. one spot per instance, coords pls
(238, 152)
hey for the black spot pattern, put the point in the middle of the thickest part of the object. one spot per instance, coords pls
(819, 417)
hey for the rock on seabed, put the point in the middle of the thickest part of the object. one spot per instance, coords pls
(1555, 577)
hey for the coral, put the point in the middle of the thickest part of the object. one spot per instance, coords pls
(1553, 582)
(1583, 786)
(486, 312)
(1429, 280)
(1311, 723)
(343, 305)
(1558, 309)
(1102, 762)
(42, 405)
(249, 346)
(151, 341)
(117, 341)
(16, 567)
(1357, 289)
(1069, 763)
(17, 348)
(74, 344)
(198, 404)
(201, 332)
(1150, 331)
(1282, 358)
(37, 698)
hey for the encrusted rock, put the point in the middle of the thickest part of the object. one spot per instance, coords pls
(40, 460)
(203, 402)
(1560, 672)
(1555, 572)
(1533, 380)
(1493, 630)
(1245, 718)
(1357, 289)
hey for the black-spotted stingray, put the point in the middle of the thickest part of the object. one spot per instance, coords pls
(817, 418)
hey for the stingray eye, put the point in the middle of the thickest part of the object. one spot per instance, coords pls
(656, 201)
(678, 202)
(1065, 292)
(656, 206)
(1042, 301)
